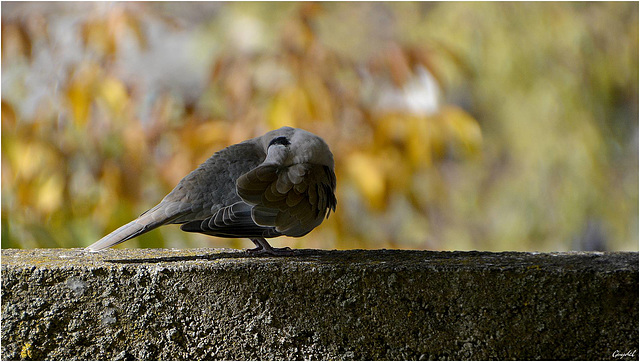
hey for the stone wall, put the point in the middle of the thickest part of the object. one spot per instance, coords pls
(364, 305)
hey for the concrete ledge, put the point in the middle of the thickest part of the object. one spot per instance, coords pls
(366, 305)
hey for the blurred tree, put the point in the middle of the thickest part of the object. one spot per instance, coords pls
(516, 131)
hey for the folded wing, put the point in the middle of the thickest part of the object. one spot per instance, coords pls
(232, 221)
(293, 200)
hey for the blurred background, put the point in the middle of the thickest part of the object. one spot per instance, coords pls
(455, 126)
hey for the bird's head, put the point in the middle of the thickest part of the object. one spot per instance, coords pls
(287, 146)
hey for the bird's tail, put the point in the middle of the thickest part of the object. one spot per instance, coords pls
(149, 220)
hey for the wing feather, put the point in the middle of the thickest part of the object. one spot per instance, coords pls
(293, 199)
(232, 221)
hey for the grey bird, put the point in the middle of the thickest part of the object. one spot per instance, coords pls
(281, 183)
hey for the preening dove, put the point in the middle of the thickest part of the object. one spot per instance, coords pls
(281, 183)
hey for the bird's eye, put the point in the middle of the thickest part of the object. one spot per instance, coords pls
(279, 141)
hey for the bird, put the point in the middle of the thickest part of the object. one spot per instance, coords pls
(280, 183)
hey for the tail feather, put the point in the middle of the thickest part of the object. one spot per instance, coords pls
(149, 220)
(120, 235)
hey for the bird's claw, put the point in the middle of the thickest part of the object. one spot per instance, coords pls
(286, 251)
(263, 247)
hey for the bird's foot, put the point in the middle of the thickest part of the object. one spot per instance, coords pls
(257, 249)
(272, 251)
(263, 247)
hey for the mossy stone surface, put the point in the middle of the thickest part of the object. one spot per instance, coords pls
(203, 304)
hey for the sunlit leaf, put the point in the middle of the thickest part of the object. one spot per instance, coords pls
(114, 93)
(320, 101)
(80, 98)
(98, 35)
(50, 193)
(464, 129)
(289, 107)
(368, 175)
(30, 158)
(419, 142)
(81, 91)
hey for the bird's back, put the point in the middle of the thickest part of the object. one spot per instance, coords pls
(213, 184)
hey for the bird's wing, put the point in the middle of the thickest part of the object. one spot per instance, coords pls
(232, 221)
(293, 199)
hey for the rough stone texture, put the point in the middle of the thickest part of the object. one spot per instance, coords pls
(365, 305)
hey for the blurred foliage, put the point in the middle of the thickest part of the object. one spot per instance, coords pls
(495, 126)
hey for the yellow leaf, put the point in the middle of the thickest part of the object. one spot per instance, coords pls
(369, 178)
(80, 100)
(207, 137)
(290, 107)
(414, 133)
(50, 193)
(99, 36)
(464, 129)
(114, 93)
(397, 170)
(319, 98)
(391, 128)
(30, 158)
(80, 92)
(419, 142)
